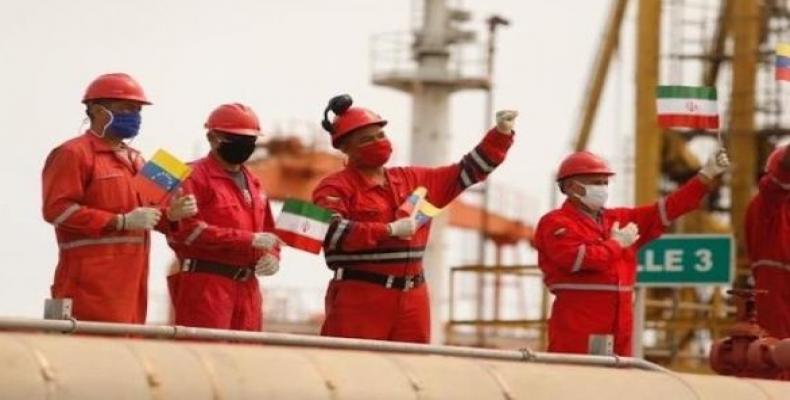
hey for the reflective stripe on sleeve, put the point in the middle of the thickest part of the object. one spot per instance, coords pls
(662, 211)
(70, 210)
(785, 186)
(341, 227)
(771, 264)
(102, 241)
(485, 166)
(577, 265)
(466, 181)
(195, 233)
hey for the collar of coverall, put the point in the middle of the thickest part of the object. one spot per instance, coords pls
(597, 220)
(362, 182)
(100, 145)
(216, 170)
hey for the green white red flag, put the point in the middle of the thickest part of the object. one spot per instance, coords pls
(303, 225)
(693, 107)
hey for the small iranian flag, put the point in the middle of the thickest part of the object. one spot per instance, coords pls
(303, 225)
(687, 107)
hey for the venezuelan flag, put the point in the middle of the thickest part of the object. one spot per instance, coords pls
(782, 69)
(417, 206)
(426, 212)
(160, 176)
(410, 206)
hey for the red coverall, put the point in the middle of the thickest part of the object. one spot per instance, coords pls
(105, 272)
(221, 232)
(591, 276)
(359, 240)
(767, 228)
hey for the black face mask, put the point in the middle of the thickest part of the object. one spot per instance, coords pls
(236, 150)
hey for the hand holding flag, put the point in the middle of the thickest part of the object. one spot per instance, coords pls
(160, 176)
(418, 207)
(181, 206)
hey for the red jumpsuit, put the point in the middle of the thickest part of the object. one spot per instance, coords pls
(767, 228)
(591, 276)
(105, 272)
(358, 240)
(221, 233)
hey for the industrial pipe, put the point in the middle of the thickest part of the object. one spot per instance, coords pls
(285, 339)
(46, 366)
(748, 351)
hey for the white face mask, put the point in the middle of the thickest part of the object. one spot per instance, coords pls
(595, 197)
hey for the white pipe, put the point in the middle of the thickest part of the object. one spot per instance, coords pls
(287, 339)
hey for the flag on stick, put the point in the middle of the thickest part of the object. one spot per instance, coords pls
(782, 68)
(303, 225)
(418, 207)
(160, 176)
(426, 212)
(687, 107)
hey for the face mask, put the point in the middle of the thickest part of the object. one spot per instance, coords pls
(373, 154)
(237, 150)
(595, 197)
(124, 125)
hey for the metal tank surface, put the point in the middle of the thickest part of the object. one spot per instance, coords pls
(38, 360)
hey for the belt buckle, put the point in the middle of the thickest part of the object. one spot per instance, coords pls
(242, 274)
(408, 283)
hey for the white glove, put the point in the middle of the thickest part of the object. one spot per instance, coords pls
(717, 164)
(267, 265)
(182, 207)
(505, 119)
(265, 241)
(139, 219)
(403, 227)
(626, 236)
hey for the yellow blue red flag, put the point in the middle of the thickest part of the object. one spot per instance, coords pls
(160, 176)
(417, 206)
(782, 68)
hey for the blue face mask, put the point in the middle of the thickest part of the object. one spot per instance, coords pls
(124, 125)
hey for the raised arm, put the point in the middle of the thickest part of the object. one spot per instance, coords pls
(446, 183)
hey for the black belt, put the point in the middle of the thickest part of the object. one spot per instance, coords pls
(404, 283)
(236, 273)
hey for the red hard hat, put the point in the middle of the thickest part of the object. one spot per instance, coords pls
(353, 119)
(583, 163)
(772, 165)
(117, 86)
(235, 118)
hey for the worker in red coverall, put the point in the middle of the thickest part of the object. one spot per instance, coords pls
(767, 227)
(378, 289)
(100, 221)
(588, 253)
(229, 241)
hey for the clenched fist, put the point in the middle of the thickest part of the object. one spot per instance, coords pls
(505, 119)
